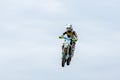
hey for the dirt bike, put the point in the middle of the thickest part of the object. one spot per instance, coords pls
(66, 51)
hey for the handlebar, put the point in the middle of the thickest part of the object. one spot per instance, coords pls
(62, 37)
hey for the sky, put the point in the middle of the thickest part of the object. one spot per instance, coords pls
(30, 48)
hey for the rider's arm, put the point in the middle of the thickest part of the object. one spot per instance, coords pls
(75, 34)
(64, 33)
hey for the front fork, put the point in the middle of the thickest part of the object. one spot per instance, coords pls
(65, 51)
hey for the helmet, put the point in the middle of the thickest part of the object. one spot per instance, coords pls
(69, 27)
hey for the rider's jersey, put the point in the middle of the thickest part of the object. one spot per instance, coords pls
(70, 34)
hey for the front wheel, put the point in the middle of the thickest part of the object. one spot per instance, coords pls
(64, 57)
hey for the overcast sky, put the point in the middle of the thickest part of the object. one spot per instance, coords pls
(30, 48)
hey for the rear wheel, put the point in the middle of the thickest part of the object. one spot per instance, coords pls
(63, 61)
(68, 61)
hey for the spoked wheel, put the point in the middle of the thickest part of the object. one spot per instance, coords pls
(63, 61)
(64, 57)
(68, 61)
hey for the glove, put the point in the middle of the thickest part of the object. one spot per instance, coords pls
(74, 40)
(60, 37)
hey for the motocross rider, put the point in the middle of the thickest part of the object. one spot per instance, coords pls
(70, 34)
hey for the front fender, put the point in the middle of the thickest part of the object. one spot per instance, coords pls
(66, 45)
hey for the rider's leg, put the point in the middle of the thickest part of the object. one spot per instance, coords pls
(70, 50)
(73, 48)
(73, 45)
